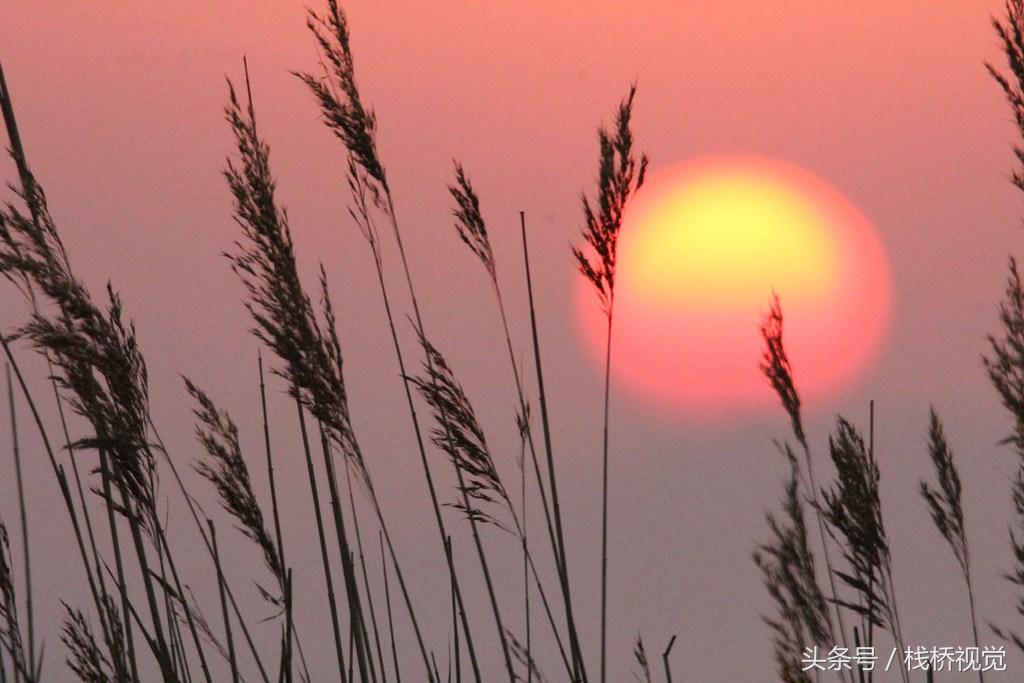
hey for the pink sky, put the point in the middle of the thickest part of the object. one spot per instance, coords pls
(120, 110)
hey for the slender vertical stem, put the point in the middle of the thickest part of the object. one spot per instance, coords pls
(25, 519)
(58, 472)
(270, 463)
(331, 600)
(357, 623)
(502, 638)
(289, 627)
(974, 616)
(29, 616)
(579, 672)
(387, 604)
(526, 576)
(115, 539)
(442, 531)
(604, 493)
(191, 505)
(455, 624)
(161, 540)
(162, 652)
(366, 576)
(232, 658)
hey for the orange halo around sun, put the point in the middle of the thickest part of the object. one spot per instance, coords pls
(703, 246)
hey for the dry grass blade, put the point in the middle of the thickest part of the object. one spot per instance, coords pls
(228, 472)
(788, 570)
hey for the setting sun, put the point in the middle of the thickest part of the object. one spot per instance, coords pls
(703, 247)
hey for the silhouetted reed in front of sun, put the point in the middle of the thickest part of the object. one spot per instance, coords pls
(620, 175)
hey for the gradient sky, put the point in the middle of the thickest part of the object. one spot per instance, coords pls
(120, 110)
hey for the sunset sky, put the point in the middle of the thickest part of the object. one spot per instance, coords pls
(120, 108)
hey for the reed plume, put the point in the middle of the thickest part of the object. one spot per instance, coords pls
(458, 434)
(620, 175)
(226, 469)
(946, 508)
(284, 316)
(788, 570)
(86, 657)
(852, 507)
(355, 125)
(472, 230)
(778, 370)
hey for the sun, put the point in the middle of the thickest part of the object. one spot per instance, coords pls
(704, 245)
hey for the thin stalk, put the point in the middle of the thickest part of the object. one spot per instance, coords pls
(526, 577)
(189, 502)
(456, 655)
(232, 658)
(487, 578)
(162, 651)
(24, 519)
(426, 467)
(387, 604)
(161, 539)
(604, 490)
(286, 656)
(366, 576)
(115, 540)
(57, 469)
(173, 626)
(824, 544)
(98, 579)
(270, 462)
(528, 432)
(286, 650)
(401, 579)
(357, 622)
(331, 601)
(579, 671)
(974, 616)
